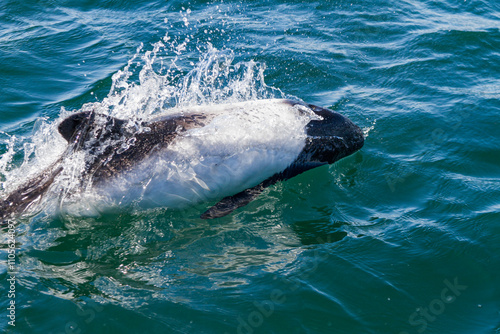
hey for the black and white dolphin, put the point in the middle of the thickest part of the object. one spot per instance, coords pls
(231, 151)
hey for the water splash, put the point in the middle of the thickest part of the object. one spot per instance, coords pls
(165, 81)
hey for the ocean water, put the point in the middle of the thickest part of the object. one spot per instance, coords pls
(401, 237)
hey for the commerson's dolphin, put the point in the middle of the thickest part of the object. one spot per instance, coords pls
(230, 151)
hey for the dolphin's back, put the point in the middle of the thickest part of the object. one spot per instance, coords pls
(28, 193)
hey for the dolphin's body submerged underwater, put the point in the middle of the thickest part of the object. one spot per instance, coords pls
(229, 151)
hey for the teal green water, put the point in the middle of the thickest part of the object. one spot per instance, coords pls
(401, 237)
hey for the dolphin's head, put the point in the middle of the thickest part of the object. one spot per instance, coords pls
(330, 138)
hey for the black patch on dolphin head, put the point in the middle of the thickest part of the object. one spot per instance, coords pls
(331, 138)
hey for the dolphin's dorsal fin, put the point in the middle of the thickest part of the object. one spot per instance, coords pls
(77, 125)
(69, 126)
